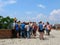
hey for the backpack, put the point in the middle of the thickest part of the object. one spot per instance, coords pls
(16, 26)
(40, 26)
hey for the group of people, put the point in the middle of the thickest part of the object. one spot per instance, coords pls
(27, 30)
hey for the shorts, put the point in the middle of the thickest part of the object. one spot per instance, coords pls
(41, 30)
(17, 31)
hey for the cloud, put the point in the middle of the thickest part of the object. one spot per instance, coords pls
(55, 11)
(4, 3)
(55, 16)
(10, 1)
(41, 6)
(39, 17)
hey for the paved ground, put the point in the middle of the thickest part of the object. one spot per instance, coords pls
(53, 39)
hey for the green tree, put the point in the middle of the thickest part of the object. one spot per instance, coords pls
(1, 21)
(6, 22)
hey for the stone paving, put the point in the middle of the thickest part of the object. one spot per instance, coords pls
(53, 39)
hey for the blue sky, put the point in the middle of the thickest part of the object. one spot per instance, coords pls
(31, 10)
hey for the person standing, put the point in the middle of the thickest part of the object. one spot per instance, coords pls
(14, 29)
(48, 28)
(44, 27)
(31, 29)
(17, 29)
(28, 30)
(19, 23)
(41, 31)
(34, 29)
(22, 26)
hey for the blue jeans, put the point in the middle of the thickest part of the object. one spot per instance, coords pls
(28, 34)
(22, 33)
(48, 31)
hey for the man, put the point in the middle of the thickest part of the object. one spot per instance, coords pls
(17, 29)
(22, 26)
(13, 30)
(31, 30)
(19, 23)
(28, 30)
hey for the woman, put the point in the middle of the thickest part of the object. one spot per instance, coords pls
(34, 29)
(41, 31)
(48, 28)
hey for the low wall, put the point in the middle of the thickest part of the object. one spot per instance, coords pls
(5, 33)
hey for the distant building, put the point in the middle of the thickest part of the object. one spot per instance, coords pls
(57, 26)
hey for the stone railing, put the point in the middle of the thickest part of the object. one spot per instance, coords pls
(5, 33)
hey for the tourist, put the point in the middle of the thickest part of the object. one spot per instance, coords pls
(31, 30)
(13, 30)
(34, 29)
(28, 30)
(48, 28)
(17, 29)
(41, 31)
(22, 26)
(19, 23)
(44, 27)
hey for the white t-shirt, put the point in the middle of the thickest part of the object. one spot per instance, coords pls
(30, 24)
(14, 25)
(43, 25)
(27, 27)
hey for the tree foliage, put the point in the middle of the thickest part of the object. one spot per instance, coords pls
(5, 22)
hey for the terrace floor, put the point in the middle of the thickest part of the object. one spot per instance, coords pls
(53, 39)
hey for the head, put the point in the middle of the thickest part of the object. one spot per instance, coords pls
(40, 22)
(43, 23)
(30, 22)
(47, 23)
(23, 22)
(18, 21)
(15, 19)
(34, 23)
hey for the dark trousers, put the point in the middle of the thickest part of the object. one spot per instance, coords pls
(25, 33)
(48, 32)
(14, 33)
(19, 32)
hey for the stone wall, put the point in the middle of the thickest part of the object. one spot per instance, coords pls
(5, 33)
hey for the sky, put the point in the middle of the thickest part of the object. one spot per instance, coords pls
(31, 10)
